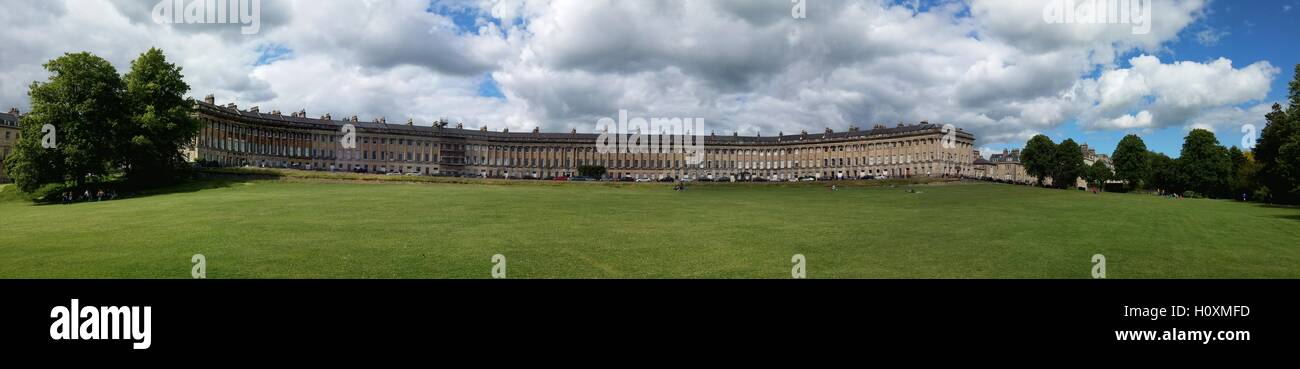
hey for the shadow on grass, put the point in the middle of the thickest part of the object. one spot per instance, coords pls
(126, 191)
(1294, 217)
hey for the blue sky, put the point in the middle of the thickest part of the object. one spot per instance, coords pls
(992, 67)
(1251, 31)
(1244, 32)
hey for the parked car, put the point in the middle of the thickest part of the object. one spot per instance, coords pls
(561, 178)
(643, 180)
(579, 179)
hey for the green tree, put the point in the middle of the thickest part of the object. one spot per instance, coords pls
(1278, 149)
(1205, 164)
(160, 125)
(1067, 165)
(1165, 175)
(1132, 162)
(1237, 157)
(82, 101)
(1243, 178)
(1038, 157)
(1098, 173)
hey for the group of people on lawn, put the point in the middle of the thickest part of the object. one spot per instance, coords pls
(98, 195)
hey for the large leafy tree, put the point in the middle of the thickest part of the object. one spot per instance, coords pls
(1067, 165)
(1132, 163)
(1098, 173)
(1205, 164)
(1237, 157)
(160, 125)
(1278, 149)
(82, 101)
(1038, 157)
(1243, 178)
(1165, 175)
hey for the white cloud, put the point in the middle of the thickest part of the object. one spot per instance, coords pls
(992, 67)
(1176, 93)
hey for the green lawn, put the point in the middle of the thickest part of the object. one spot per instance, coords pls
(313, 229)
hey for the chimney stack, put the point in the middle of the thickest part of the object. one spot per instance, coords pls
(254, 110)
(13, 111)
(325, 117)
(210, 99)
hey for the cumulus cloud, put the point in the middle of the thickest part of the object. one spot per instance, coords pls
(1173, 94)
(993, 67)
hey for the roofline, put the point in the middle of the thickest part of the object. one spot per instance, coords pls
(291, 121)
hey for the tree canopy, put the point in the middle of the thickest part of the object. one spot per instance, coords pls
(82, 101)
(1278, 149)
(1204, 163)
(1067, 165)
(104, 124)
(1132, 163)
(1038, 157)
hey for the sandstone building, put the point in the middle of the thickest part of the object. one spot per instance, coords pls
(250, 137)
(8, 138)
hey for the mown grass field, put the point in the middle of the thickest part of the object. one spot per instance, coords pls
(311, 228)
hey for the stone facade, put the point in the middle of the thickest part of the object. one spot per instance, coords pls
(234, 137)
(8, 138)
(1006, 167)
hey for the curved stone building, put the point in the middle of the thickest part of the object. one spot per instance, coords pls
(234, 137)
(8, 138)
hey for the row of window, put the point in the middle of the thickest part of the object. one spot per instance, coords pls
(557, 156)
